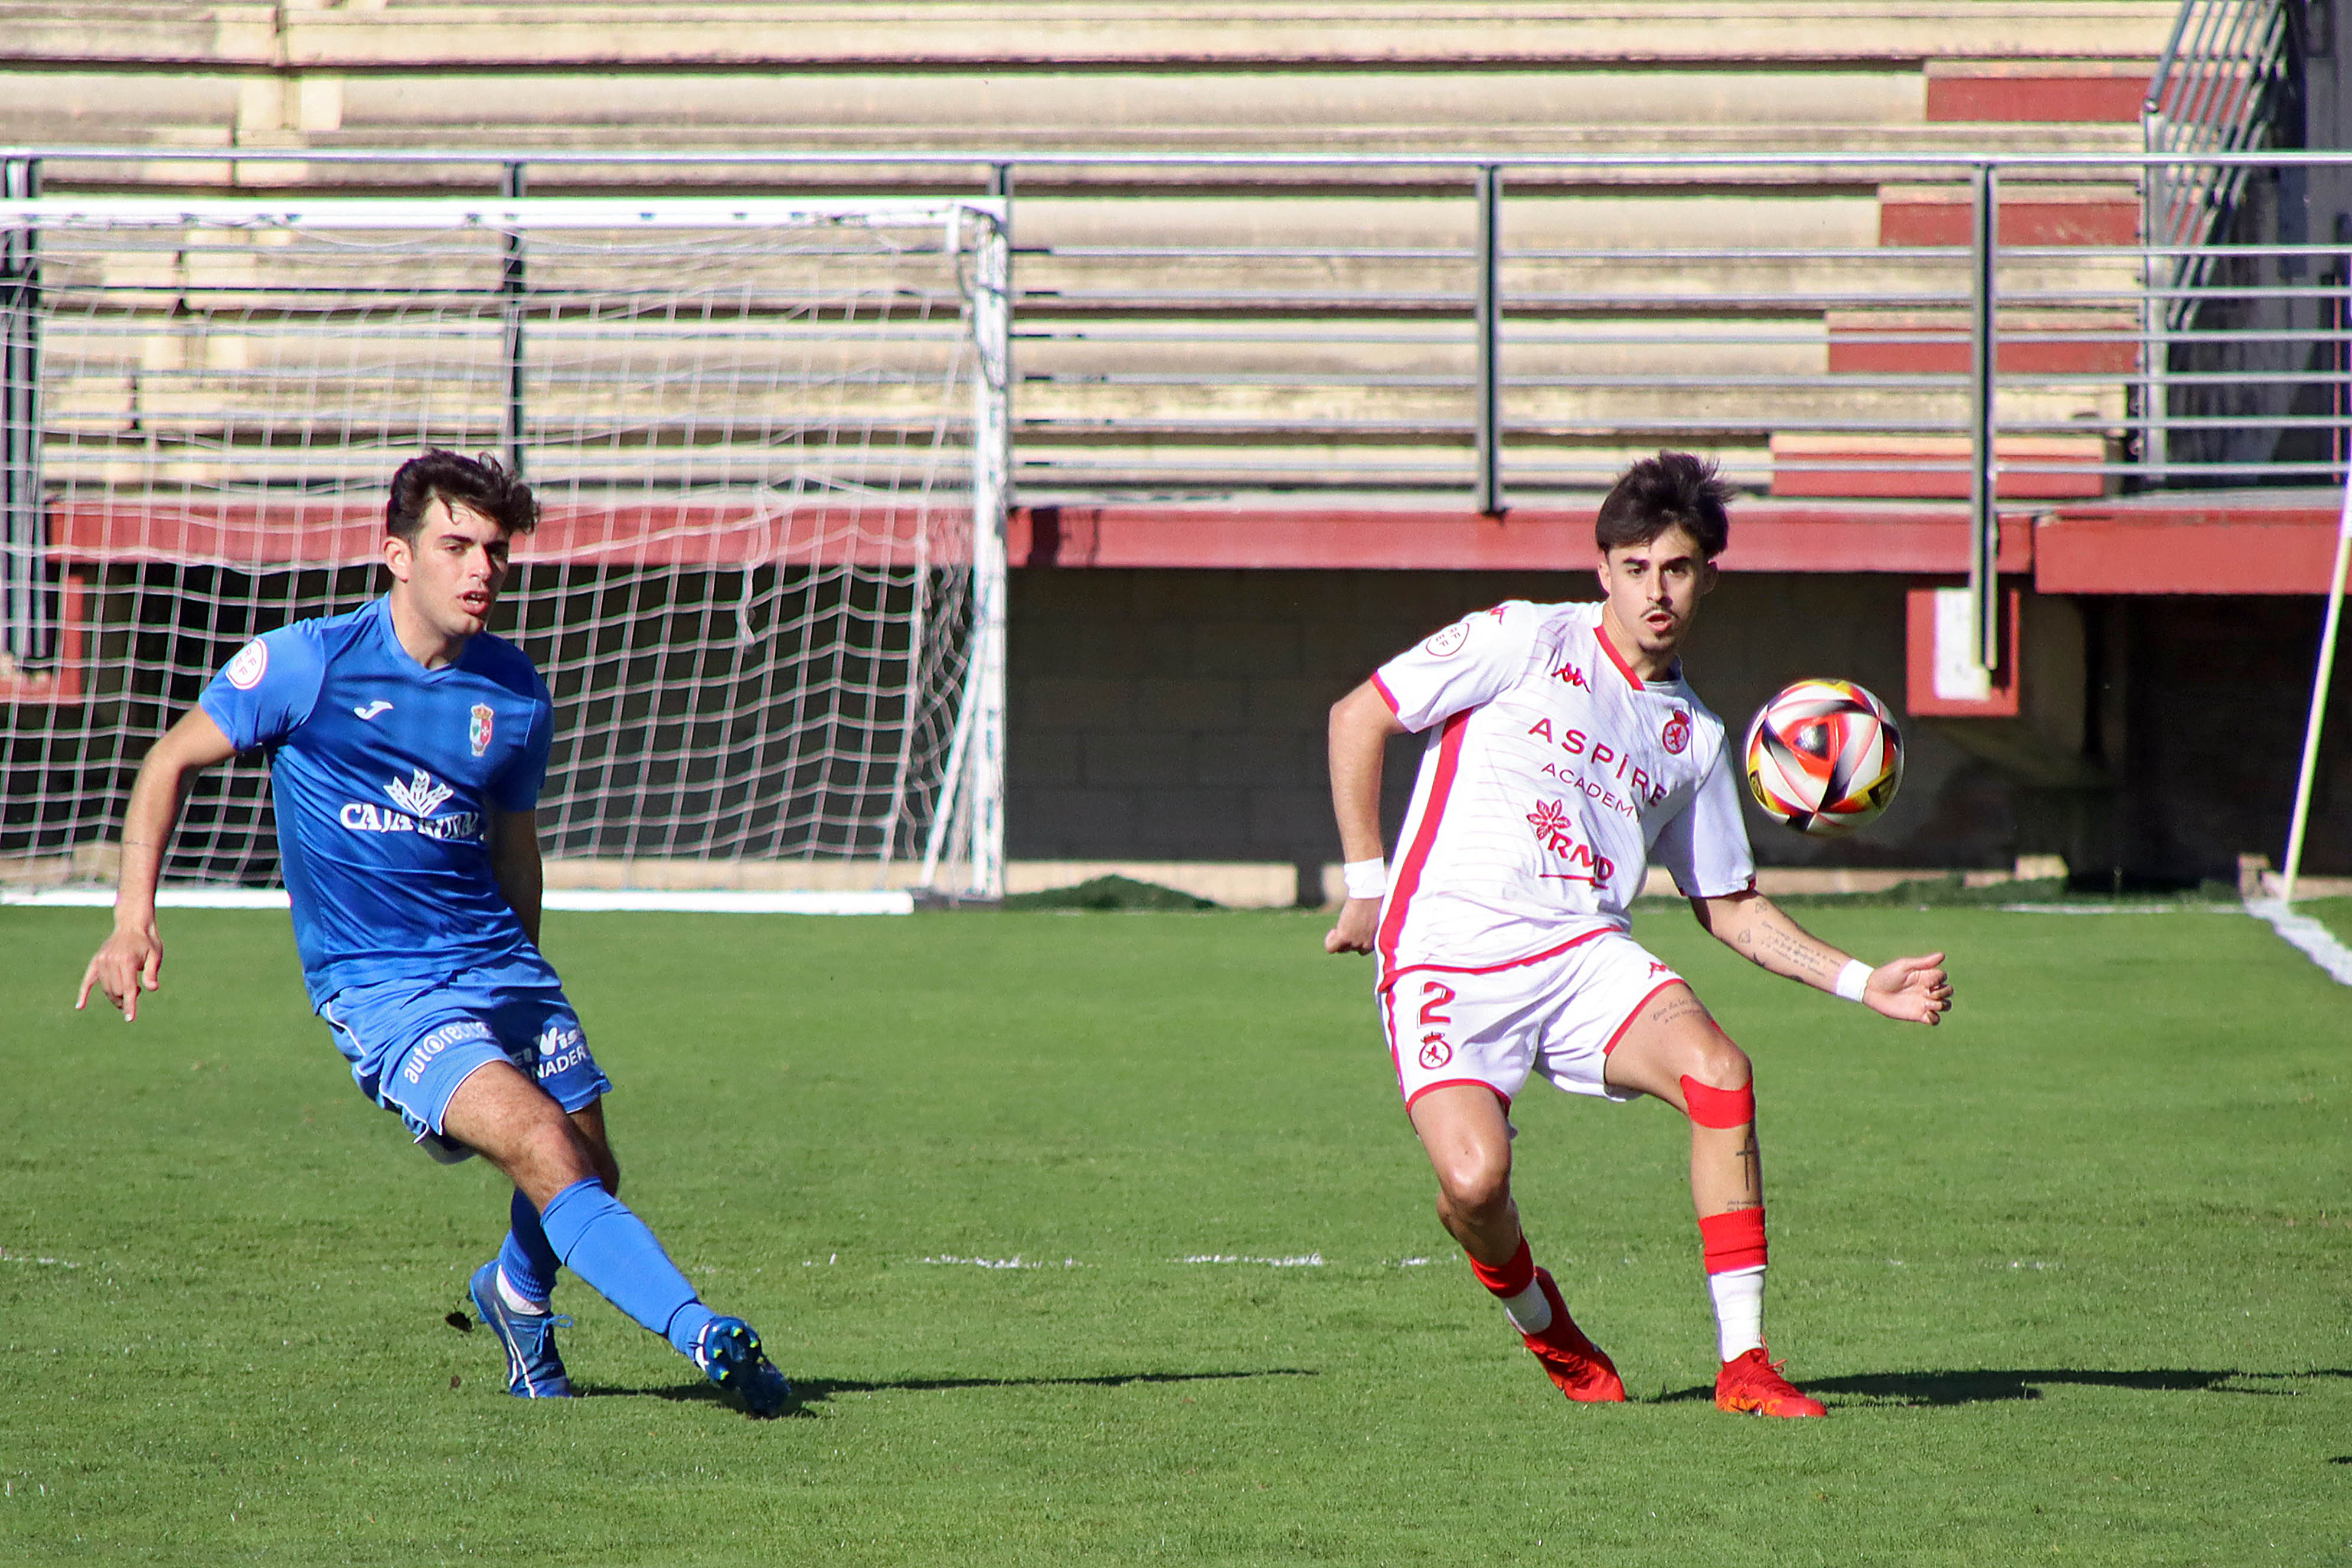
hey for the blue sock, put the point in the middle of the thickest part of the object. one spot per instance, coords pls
(601, 1241)
(527, 1260)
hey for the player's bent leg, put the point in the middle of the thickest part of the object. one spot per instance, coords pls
(1468, 1139)
(1671, 1050)
(1462, 1129)
(514, 1125)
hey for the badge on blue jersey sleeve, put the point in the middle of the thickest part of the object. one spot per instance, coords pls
(265, 688)
(478, 728)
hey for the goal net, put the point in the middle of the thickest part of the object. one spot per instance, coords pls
(769, 442)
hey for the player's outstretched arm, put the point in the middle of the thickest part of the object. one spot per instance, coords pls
(1912, 990)
(1362, 727)
(132, 958)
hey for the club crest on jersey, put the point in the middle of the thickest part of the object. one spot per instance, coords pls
(1435, 1052)
(1448, 643)
(477, 729)
(251, 663)
(1676, 736)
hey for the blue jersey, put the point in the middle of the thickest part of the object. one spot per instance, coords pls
(383, 773)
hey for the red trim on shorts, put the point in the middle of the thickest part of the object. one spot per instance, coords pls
(1386, 695)
(1450, 1082)
(1408, 872)
(1497, 968)
(1636, 1013)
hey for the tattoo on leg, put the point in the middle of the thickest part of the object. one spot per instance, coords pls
(1751, 1166)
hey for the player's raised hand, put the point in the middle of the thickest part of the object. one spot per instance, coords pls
(127, 963)
(1910, 990)
(1358, 923)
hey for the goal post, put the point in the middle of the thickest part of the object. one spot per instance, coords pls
(769, 441)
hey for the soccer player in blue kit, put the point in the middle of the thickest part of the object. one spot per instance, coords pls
(408, 746)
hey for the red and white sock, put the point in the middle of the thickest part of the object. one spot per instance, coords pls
(1514, 1285)
(1735, 1278)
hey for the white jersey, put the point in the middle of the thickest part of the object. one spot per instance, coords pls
(1554, 776)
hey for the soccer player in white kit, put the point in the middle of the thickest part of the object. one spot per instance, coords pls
(1567, 754)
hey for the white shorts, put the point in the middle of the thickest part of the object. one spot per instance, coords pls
(1559, 1015)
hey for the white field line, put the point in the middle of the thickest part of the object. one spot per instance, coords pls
(8, 1256)
(1016, 1261)
(2316, 940)
(1306, 1260)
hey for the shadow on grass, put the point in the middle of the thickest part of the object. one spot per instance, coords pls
(1982, 1385)
(809, 1391)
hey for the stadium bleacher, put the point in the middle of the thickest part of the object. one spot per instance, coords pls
(1243, 350)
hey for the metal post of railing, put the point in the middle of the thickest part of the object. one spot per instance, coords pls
(1489, 327)
(1984, 357)
(24, 602)
(2157, 271)
(510, 285)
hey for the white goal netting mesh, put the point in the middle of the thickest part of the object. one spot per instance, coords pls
(762, 440)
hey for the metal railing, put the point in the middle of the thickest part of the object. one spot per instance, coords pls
(1925, 328)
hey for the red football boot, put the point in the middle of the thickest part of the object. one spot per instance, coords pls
(1577, 1366)
(1753, 1382)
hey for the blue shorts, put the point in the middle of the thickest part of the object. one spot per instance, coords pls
(411, 1044)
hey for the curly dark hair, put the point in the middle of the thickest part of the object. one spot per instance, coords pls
(479, 484)
(1671, 489)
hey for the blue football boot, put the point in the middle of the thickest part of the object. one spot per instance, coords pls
(534, 1369)
(727, 1351)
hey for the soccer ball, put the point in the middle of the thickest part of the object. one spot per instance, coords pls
(1824, 757)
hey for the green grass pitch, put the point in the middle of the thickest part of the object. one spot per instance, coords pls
(2072, 1271)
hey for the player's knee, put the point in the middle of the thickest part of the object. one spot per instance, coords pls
(1719, 1064)
(1718, 1086)
(1474, 1181)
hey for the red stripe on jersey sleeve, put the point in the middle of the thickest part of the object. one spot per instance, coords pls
(1386, 695)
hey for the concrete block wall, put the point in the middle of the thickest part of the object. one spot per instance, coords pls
(1180, 715)
(1161, 714)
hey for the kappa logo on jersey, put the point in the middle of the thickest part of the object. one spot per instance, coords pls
(1657, 969)
(1550, 819)
(1448, 643)
(372, 709)
(1678, 733)
(1435, 1052)
(251, 663)
(478, 728)
(1570, 674)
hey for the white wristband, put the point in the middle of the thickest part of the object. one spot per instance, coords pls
(1366, 878)
(1854, 979)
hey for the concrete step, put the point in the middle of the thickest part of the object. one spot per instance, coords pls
(2038, 92)
(373, 34)
(2033, 468)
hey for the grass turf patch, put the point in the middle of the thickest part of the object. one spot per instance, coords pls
(2071, 1270)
